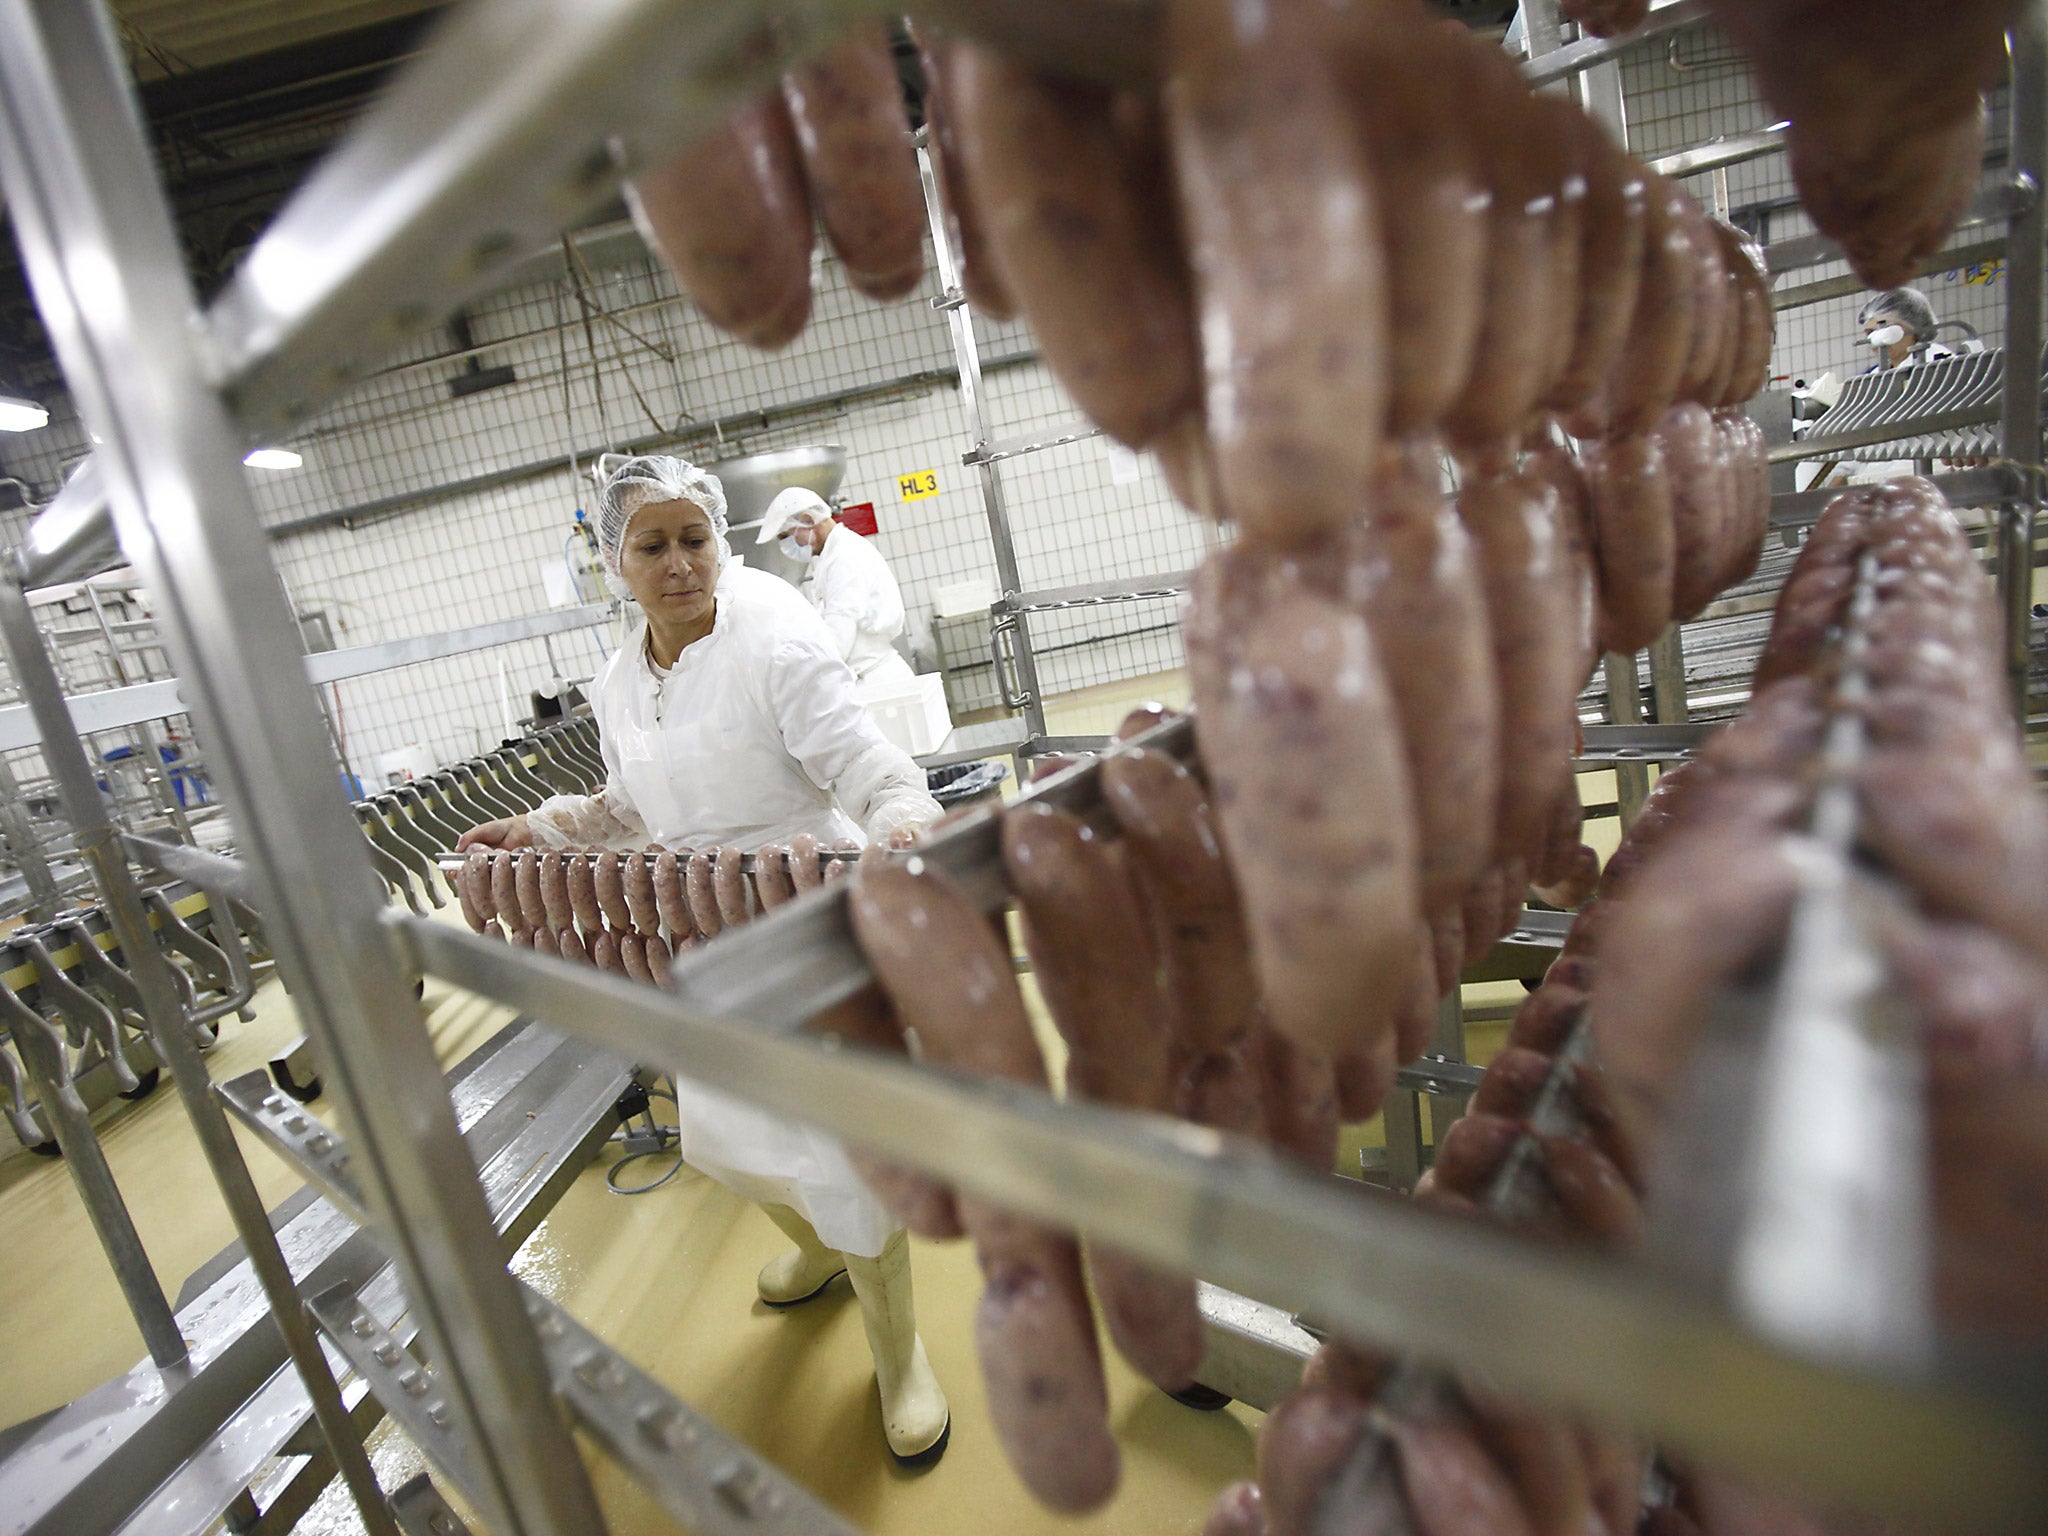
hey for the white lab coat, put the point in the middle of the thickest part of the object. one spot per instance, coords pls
(855, 593)
(752, 737)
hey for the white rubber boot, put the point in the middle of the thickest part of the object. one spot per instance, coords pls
(800, 1274)
(914, 1413)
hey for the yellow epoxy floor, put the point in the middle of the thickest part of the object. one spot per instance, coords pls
(666, 1276)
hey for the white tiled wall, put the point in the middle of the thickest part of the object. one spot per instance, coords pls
(424, 557)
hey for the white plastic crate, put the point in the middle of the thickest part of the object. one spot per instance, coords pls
(914, 718)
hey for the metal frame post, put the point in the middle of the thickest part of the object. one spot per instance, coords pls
(172, 1036)
(41, 1047)
(150, 744)
(108, 275)
(1625, 707)
(2026, 257)
(967, 354)
(18, 836)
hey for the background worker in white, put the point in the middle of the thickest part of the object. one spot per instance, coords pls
(732, 720)
(849, 583)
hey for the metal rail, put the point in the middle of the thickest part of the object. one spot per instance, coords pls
(1995, 205)
(1559, 1329)
(105, 266)
(1577, 58)
(518, 121)
(111, 708)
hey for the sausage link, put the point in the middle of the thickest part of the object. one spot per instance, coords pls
(1517, 526)
(670, 904)
(1749, 498)
(731, 217)
(1239, 1510)
(1299, 733)
(805, 871)
(571, 947)
(1427, 169)
(583, 896)
(1594, 1199)
(1713, 318)
(1479, 911)
(1697, 464)
(703, 897)
(526, 883)
(1093, 956)
(604, 952)
(1606, 18)
(554, 891)
(505, 895)
(1301, 1100)
(1758, 317)
(1552, 466)
(729, 885)
(1091, 258)
(473, 890)
(476, 869)
(1635, 539)
(1170, 828)
(1610, 264)
(633, 956)
(1284, 239)
(1411, 569)
(847, 109)
(771, 876)
(1035, 1333)
(636, 877)
(544, 940)
(1511, 367)
(1302, 1448)
(1545, 1465)
(1453, 1486)
(611, 892)
(658, 957)
(835, 869)
(920, 1202)
(1653, 361)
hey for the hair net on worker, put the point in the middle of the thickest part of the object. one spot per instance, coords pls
(643, 480)
(1907, 306)
(790, 507)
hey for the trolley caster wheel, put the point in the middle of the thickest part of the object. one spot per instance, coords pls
(305, 1090)
(145, 1084)
(1200, 1398)
(47, 1148)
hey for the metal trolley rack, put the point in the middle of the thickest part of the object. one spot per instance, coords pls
(512, 124)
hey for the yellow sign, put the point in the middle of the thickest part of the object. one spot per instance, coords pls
(915, 487)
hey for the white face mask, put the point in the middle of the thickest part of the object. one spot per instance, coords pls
(800, 553)
(1887, 336)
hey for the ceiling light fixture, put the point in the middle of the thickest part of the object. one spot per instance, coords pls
(272, 458)
(19, 415)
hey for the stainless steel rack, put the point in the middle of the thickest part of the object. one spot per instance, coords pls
(512, 123)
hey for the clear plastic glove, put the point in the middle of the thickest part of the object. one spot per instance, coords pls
(506, 832)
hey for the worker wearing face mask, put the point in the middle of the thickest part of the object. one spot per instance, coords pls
(732, 721)
(849, 583)
(1900, 325)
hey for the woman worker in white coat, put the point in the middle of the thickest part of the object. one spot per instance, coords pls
(850, 584)
(733, 721)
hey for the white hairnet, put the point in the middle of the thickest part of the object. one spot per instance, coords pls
(1908, 306)
(790, 507)
(644, 480)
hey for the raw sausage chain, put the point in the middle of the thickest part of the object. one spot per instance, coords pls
(635, 912)
(1696, 897)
